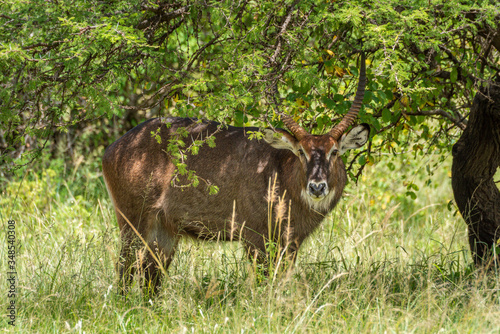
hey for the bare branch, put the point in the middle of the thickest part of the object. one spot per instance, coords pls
(461, 123)
(161, 17)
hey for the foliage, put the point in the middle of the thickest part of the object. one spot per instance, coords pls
(64, 64)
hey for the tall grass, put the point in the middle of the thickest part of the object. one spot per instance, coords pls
(381, 262)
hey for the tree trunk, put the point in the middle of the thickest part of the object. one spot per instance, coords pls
(476, 157)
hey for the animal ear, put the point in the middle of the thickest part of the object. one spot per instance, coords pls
(281, 140)
(355, 138)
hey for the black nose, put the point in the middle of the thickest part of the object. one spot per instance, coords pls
(317, 189)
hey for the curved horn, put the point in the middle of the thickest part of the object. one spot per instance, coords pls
(294, 128)
(351, 115)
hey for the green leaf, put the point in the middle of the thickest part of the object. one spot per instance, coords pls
(453, 75)
(386, 115)
(213, 190)
(411, 194)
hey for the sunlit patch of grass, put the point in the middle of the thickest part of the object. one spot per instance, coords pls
(405, 267)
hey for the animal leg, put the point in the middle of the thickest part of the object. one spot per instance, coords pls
(130, 243)
(162, 239)
(159, 256)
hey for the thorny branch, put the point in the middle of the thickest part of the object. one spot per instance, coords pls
(281, 35)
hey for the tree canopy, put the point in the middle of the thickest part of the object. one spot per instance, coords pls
(68, 64)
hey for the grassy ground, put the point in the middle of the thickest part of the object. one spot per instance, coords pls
(381, 262)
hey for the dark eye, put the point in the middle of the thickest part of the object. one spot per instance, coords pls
(335, 151)
(302, 154)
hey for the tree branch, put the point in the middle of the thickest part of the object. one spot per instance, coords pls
(461, 123)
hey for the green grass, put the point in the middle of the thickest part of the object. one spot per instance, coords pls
(381, 262)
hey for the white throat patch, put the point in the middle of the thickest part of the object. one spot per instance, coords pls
(323, 204)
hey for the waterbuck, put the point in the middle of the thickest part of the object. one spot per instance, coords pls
(306, 172)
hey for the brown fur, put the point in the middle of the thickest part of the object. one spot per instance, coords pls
(138, 173)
